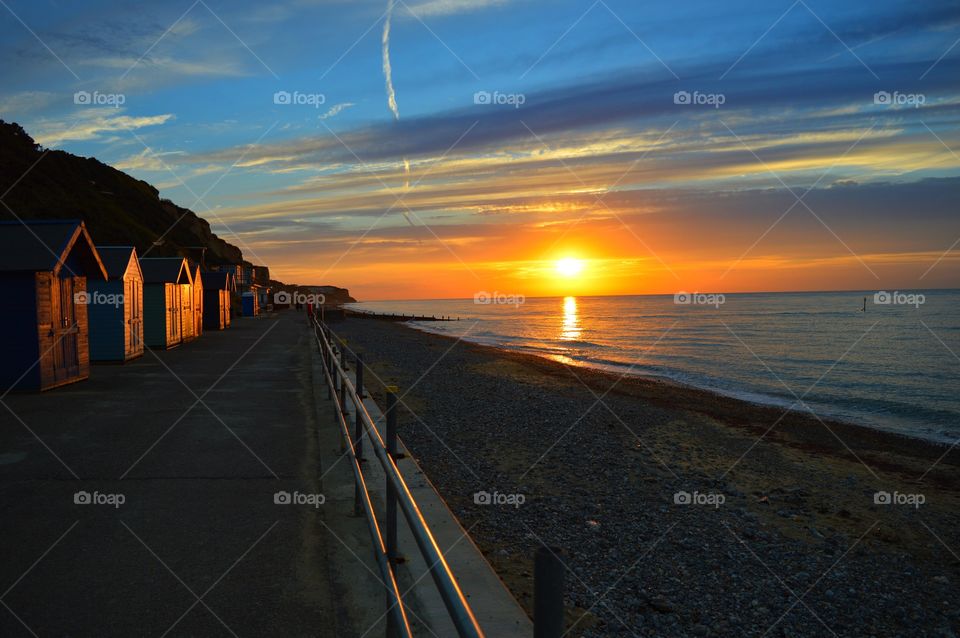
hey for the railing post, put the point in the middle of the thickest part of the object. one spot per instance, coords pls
(548, 573)
(358, 441)
(324, 356)
(359, 363)
(343, 389)
(328, 358)
(391, 441)
(391, 514)
(391, 623)
(358, 424)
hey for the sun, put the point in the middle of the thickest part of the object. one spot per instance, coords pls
(569, 266)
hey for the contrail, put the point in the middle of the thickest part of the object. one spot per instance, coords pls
(387, 72)
(391, 94)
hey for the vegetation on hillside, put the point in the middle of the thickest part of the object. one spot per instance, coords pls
(117, 208)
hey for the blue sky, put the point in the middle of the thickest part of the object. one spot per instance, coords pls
(489, 191)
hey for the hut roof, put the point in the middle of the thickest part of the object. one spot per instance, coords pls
(216, 280)
(116, 259)
(46, 245)
(165, 270)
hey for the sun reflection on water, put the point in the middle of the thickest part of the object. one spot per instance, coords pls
(571, 329)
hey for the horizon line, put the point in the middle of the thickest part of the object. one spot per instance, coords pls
(667, 294)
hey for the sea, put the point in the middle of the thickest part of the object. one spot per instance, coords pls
(883, 359)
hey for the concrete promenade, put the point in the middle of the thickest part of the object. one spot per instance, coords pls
(195, 442)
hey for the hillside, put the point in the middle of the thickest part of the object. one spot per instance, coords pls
(117, 208)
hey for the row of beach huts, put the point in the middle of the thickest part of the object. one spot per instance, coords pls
(70, 302)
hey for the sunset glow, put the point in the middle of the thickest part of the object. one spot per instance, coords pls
(655, 306)
(569, 266)
(785, 170)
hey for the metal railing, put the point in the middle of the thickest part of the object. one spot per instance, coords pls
(340, 390)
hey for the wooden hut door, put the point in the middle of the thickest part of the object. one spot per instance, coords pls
(174, 335)
(186, 297)
(66, 362)
(198, 308)
(134, 303)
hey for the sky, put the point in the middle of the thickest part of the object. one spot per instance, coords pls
(437, 148)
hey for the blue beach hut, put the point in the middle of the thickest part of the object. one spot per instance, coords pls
(115, 307)
(44, 269)
(218, 288)
(165, 281)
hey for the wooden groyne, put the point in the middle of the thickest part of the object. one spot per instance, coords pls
(395, 317)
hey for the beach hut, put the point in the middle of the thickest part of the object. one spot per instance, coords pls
(44, 269)
(164, 279)
(197, 301)
(218, 288)
(188, 319)
(264, 300)
(115, 307)
(250, 304)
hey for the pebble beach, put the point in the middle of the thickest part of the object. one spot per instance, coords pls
(677, 512)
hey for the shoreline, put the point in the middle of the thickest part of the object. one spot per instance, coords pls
(862, 391)
(719, 404)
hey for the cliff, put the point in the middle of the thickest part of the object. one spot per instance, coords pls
(117, 208)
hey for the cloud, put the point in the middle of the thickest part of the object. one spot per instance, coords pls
(696, 233)
(806, 107)
(146, 160)
(150, 66)
(429, 8)
(91, 124)
(27, 102)
(335, 110)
